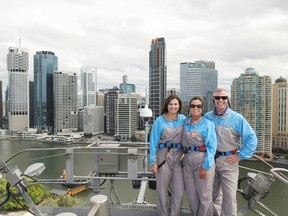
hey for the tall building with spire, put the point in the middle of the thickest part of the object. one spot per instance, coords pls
(157, 75)
(280, 114)
(251, 96)
(45, 64)
(18, 100)
(88, 85)
(199, 78)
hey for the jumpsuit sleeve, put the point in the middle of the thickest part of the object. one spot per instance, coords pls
(249, 140)
(154, 140)
(211, 146)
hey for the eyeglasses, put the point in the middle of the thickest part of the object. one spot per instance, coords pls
(198, 106)
(220, 97)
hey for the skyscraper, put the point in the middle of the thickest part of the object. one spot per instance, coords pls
(199, 78)
(157, 75)
(18, 110)
(65, 101)
(88, 85)
(109, 106)
(126, 87)
(251, 97)
(280, 114)
(45, 64)
(125, 115)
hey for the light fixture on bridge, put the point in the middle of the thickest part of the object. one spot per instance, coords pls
(35, 169)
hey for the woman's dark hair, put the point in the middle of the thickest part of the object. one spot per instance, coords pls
(202, 102)
(167, 101)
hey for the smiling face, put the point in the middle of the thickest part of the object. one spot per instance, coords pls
(195, 108)
(220, 100)
(173, 106)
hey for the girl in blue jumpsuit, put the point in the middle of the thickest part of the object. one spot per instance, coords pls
(200, 143)
(165, 152)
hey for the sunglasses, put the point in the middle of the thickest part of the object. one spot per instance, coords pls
(220, 97)
(198, 106)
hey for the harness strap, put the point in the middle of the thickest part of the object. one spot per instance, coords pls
(226, 153)
(168, 145)
(196, 148)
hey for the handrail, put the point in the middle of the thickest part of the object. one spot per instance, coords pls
(280, 176)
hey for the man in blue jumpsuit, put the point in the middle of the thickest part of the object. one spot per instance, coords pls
(236, 141)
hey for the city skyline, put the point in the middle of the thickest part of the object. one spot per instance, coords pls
(235, 35)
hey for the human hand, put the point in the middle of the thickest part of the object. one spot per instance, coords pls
(233, 159)
(202, 173)
(154, 168)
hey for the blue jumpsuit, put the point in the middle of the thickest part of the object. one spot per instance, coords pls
(199, 191)
(166, 131)
(233, 132)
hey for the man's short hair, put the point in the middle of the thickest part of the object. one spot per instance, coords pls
(219, 90)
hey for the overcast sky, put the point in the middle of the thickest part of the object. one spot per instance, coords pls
(115, 35)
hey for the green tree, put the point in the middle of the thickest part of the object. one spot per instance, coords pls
(16, 202)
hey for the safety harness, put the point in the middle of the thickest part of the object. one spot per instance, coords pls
(169, 146)
(218, 153)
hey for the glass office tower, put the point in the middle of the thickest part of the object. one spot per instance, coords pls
(199, 78)
(45, 64)
(157, 75)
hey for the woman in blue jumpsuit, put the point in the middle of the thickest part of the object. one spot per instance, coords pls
(165, 152)
(200, 143)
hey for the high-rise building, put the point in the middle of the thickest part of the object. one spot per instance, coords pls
(126, 87)
(157, 75)
(45, 64)
(251, 97)
(199, 78)
(65, 101)
(173, 91)
(31, 104)
(18, 110)
(280, 114)
(93, 120)
(88, 85)
(125, 115)
(109, 106)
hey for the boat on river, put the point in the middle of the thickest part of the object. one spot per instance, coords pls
(106, 155)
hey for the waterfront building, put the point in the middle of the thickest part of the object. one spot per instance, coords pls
(251, 97)
(45, 64)
(280, 114)
(93, 120)
(157, 75)
(65, 101)
(199, 78)
(88, 85)
(18, 101)
(125, 116)
(126, 87)
(31, 104)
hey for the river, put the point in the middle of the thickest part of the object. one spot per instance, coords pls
(276, 199)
